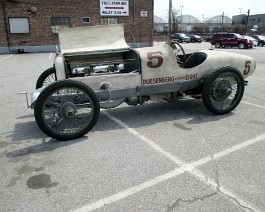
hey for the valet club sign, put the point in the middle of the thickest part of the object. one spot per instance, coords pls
(114, 8)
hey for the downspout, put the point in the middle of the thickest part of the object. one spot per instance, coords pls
(132, 8)
(5, 24)
(133, 22)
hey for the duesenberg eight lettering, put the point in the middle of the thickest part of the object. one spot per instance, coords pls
(158, 80)
(191, 76)
(161, 80)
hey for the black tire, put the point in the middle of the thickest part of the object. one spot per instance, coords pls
(223, 90)
(66, 110)
(218, 45)
(241, 46)
(47, 77)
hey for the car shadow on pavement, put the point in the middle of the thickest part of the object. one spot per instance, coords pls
(47, 145)
(192, 111)
(28, 133)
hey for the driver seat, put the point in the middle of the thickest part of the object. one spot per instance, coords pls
(195, 59)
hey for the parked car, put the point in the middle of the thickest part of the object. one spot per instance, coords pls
(260, 38)
(105, 74)
(195, 39)
(180, 37)
(252, 40)
(230, 40)
(207, 38)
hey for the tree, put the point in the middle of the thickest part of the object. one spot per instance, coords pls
(239, 28)
(175, 21)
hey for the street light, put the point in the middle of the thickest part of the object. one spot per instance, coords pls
(247, 21)
(169, 20)
(181, 6)
(240, 10)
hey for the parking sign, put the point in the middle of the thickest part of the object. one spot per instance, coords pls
(114, 8)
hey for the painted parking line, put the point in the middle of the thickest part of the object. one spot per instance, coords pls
(6, 57)
(191, 168)
(256, 78)
(255, 105)
(50, 56)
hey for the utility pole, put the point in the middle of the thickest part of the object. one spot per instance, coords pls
(247, 22)
(181, 6)
(169, 20)
(222, 23)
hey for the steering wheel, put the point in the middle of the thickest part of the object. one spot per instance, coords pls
(178, 48)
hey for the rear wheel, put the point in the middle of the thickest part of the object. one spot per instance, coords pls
(67, 110)
(241, 46)
(47, 77)
(223, 91)
(217, 45)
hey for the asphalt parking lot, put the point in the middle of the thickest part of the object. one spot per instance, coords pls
(155, 157)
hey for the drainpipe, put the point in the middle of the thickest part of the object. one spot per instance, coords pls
(133, 22)
(5, 23)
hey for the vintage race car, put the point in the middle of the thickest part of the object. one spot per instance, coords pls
(97, 69)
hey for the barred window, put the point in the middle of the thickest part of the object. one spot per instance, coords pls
(58, 23)
(109, 21)
(85, 20)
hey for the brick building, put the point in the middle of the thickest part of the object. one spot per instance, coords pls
(32, 25)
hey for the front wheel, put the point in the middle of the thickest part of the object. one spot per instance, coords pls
(223, 91)
(66, 110)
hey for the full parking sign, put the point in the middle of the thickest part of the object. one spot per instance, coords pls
(114, 8)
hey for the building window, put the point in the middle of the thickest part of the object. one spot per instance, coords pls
(59, 23)
(19, 25)
(109, 21)
(85, 20)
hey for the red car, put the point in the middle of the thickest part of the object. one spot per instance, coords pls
(230, 39)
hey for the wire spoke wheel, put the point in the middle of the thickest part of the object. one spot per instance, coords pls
(66, 110)
(46, 78)
(223, 91)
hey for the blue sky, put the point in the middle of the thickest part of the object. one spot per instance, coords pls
(209, 8)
